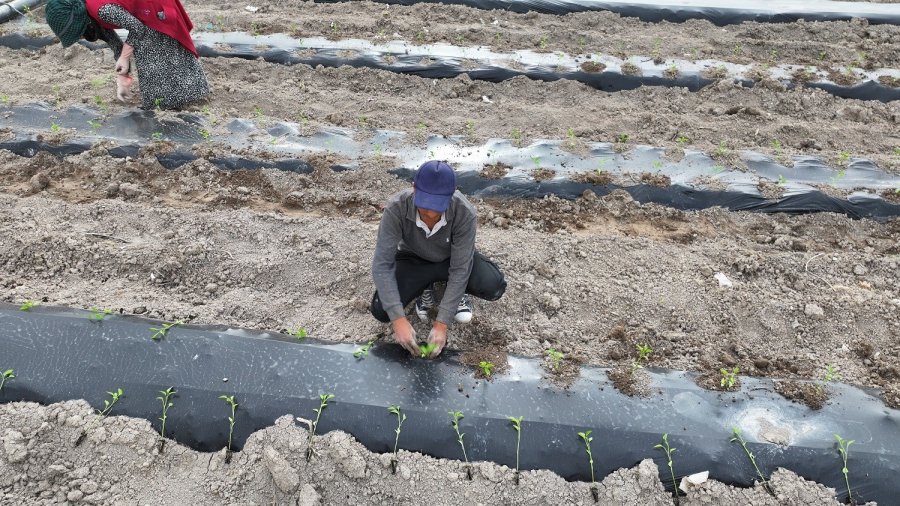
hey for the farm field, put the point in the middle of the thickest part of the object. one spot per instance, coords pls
(140, 213)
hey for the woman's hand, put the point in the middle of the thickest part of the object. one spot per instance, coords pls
(123, 64)
(123, 88)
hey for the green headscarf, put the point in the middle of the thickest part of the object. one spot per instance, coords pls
(67, 19)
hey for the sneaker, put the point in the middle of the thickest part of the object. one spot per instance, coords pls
(424, 303)
(464, 309)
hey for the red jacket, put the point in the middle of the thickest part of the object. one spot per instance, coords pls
(164, 16)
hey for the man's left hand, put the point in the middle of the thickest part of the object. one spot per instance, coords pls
(438, 337)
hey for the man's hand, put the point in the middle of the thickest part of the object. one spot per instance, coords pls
(405, 335)
(438, 337)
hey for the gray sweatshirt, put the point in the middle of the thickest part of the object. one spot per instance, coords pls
(455, 240)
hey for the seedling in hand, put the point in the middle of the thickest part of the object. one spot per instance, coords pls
(166, 399)
(486, 368)
(844, 449)
(161, 332)
(27, 305)
(587, 438)
(98, 315)
(669, 451)
(364, 350)
(729, 378)
(517, 426)
(737, 438)
(395, 410)
(323, 403)
(555, 358)
(230, 400)
(426, 350)
(101, 413)
(7, 375)
(456, 416)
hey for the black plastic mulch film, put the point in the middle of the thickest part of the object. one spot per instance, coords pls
(719, 12)
(444, 67)
(272, 375)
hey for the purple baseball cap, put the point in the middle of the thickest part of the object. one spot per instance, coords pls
(435, 184)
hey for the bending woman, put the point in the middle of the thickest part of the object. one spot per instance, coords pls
(159, 37)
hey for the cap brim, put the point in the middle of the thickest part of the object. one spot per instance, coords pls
(432, 202)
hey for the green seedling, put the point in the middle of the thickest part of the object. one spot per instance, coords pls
(7, 375)
(718, 169)
(300, 333)
(156, 136)
(157, 104)
(455, 417)
(378, 151)
(657, 164)
(672, 70)
(55, 128)
(420, 37)
(486, 368)
(334, 28)
(205, 134)
(644, 352)
(98, 315)
(776, 145)
(205, 110)
(543, 41)
(470, 128)
(844, 158)
(831, 374)
(587, 438)
(363, 351)
(897, 151)
(657, 51)
(5, 99)
(682, 141)
(536, 160)
(517, 137)
(736, 437)
(555, 357)
(729, 378)
(669, 451)
(721, 150)
(161, 332)
(425, 350)
(257, 111)
(323, 403)
(782, 181)
(774, 55)
(101, 413)
(97, 83)
(844, 449)
(165, 396)
(395, 410)
(517, 426)
(601, 165)
(95, 125)
(570, 137)
(27, 305)
(229, 399)
(622, 138)
(420, 127)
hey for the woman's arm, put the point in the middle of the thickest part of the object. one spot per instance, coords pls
(117, 15)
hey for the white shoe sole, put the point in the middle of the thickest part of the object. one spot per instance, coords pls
(423, 316)
(463, 317)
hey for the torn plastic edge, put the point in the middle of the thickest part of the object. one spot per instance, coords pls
(443, 61)
(273, 375)
(718, 12)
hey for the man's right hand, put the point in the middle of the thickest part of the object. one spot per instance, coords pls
(405, 335)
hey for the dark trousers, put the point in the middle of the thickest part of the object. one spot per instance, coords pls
(415, 274)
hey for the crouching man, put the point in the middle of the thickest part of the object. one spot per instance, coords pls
(427, 234)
